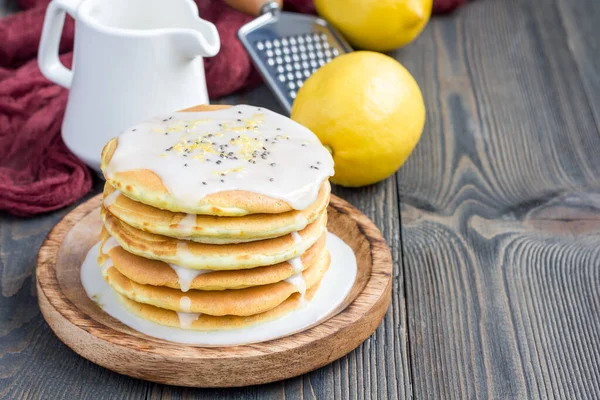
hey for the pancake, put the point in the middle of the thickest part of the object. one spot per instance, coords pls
(211, 229)
(195, 255)
(208, 322)
(242, 302)
(158, 273)
(215, 161)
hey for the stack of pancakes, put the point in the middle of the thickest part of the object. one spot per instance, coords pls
(235, 258)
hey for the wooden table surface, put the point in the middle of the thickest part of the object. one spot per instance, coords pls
(494, 225)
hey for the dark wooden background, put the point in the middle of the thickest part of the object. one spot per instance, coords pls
(494, 225)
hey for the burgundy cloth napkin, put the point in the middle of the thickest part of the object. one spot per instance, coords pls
(37, 172)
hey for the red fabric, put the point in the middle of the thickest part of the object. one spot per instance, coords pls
(446, 6)
(37, 172)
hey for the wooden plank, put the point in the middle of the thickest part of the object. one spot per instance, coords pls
(33, 362)
(501, 210)
(580, 20)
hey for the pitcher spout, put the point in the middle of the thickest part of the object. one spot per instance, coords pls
(201, 40)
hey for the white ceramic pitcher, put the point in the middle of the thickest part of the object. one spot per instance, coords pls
(133, 59)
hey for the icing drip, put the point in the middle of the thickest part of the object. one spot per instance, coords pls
(107, 264)
(187, 224)
(301, 221)
(298, 281)
(297, 238)
(185, 304)
(182, 249)
(240, 148)
(186, 319)
(110, 244)
(111, 198)
(296, 263)
(186, 276)
(302, 303)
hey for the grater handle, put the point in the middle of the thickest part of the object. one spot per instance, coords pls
(252, 7)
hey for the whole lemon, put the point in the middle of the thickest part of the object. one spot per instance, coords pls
(367, 109)
(379, 25)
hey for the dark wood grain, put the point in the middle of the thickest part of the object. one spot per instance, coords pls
(498, 294)
(579, 20)
(500, 211)
(33, 362)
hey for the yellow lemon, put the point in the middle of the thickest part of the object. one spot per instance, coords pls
(368, 110)
(379, 25)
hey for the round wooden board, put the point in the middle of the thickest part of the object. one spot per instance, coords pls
(91, 333)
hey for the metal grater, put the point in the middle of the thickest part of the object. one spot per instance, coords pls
(288, 47)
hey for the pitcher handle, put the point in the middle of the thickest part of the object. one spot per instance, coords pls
(48, 60)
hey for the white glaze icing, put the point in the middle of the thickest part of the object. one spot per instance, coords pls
(110, 243)
(297, 264)
(298, 281)
(186, 319)
(239, 148)
(296, 236)
(185, 304)
(301, 221)
(186, 276)
(106, 265)
(335, 286)
(111, 198)
(187, 224)
(182, 249)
